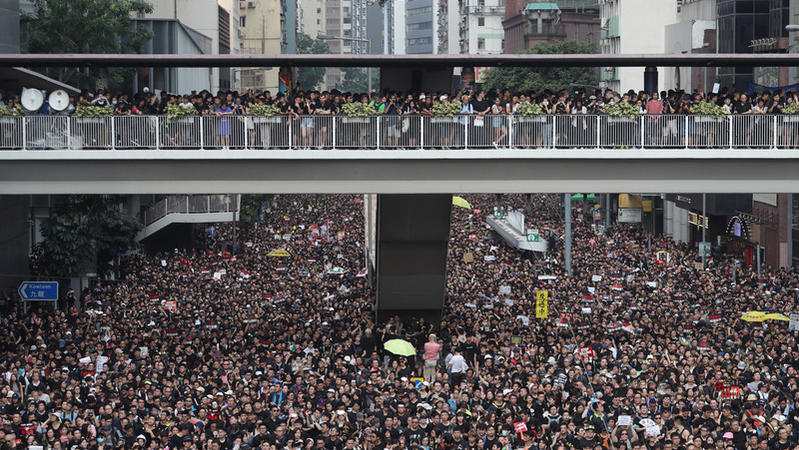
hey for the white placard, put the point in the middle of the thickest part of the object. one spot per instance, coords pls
(624, 421)
(596, 278)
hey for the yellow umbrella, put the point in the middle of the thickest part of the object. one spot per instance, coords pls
(278, 252)
(399, 347)
(460, 201)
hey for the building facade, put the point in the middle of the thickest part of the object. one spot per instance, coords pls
(753, 26)
(633, 26)
(201, 27)
(527, 24)
(345, 30)
(694, 31)
(262, 24)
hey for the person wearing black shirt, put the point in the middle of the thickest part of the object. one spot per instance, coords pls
(481, 105)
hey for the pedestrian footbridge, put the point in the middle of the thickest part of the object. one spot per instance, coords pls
(385, 154)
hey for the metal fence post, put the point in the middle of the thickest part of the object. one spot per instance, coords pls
(113, 134)
(686, 132)
(158, 133)
(642, 130)
(202, 133)
(378, 133)
(246, 133)
(187, 204)
(774, 145)
(598, 132)
(24, 133)
(554, 130)
(290, 133)
(729, 123)
(208, 203)
(421, 127)
(333, 118)
(510, 131)
(466, 132)
(69, 132)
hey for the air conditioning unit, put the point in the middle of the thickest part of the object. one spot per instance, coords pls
(242, 33)
(242, 5)
(251, 4)
(603, 24)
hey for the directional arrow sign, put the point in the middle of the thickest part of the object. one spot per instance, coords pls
(38, 290)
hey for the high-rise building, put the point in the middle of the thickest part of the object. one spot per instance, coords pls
(311, 17)
(345, 32)
(753, 26)
(261, 23)
(429, 26)
(694, 31)
(633, 26)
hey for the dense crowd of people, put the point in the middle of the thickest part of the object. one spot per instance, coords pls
(276, 346)
(314, 102)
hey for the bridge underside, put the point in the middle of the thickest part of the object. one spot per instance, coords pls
(398, 172)
(412, 237)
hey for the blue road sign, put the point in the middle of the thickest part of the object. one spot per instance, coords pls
(38, 290)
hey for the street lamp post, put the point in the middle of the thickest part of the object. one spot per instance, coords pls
(368, 50)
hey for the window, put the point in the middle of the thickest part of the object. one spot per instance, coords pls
(481, 21)
(243, 21)
(420, 41)
(420, 26)
(318, 10)
(481, 44)
(418, 11)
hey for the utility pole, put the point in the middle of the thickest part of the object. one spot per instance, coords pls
(567, 206)
(704, 229)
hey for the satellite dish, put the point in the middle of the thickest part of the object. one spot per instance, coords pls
(32, 99)
(59, 100)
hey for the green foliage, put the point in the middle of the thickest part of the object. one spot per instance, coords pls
(357, 109)
(93, 111)
(539, 79)
(251, 207)
(709, 109)
(177, 111)
(356, 80)
(15, 110)
(309, 78)
(791, 109)
(84, 230)
(448, 109)
(264, 110)
(622, 109)
(85, 26)
(527, 109)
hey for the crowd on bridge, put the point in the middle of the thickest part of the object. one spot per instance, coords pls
(388, 102)
(274, 345)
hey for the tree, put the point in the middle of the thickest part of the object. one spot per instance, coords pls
(310, 78)
(84, 230)
(355, 80)
(538, 79)
(85, 26)
(251, 206)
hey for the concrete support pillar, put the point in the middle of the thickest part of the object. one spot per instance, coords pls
(650, 79)
(412, 239)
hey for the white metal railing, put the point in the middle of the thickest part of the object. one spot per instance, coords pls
(397, 132)
(187, 204)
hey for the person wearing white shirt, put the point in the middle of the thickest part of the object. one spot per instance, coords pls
(457, 367)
